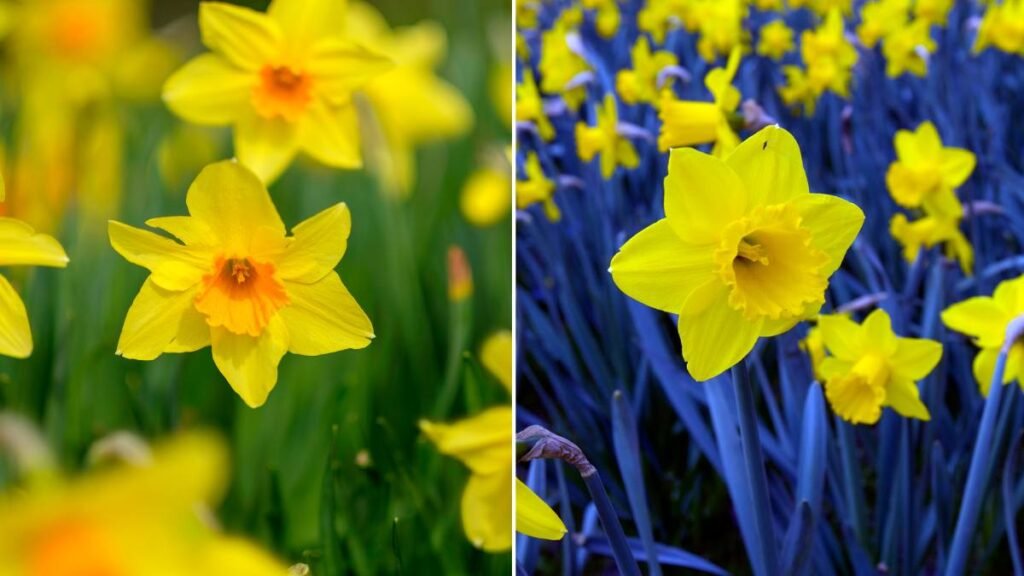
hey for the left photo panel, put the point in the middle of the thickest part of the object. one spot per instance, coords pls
(255, 287)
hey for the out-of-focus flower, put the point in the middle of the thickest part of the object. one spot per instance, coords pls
(397, 123)
(769, 5)
(640, 84)
(776, 40)
(559, 63)
(933, 11)
(828, 56)
(107, 523)
(721, 28)
(20, 245)
(814, 346)
(822, 7)
(460, 275)
(931, 230)
(685, 123)
(880, 18)
(607, 18)
(501, 91)
(526, 14)
(870, 367)
(655, 18)
(744, 251)
(797, 91)
(530, 106)
(537, 189)
(604, 139)
(283, 79)
(926, 174)
(1002, 27)
(235, 281)
(183, 153)
(487, 196)
(907, 48)
(985, 319)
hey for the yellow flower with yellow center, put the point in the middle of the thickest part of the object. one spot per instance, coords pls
(127, 521)
(20, 245)
(721, 28)
(235, 281)
(1002, 26)
(903, 49)
(640, 84)
(776, 40)
(559, 64)
(797, 91)
(604, 139)
(530, 106)
(655, 18)
(926, 174)
(985, 319)
(283, 79)
(537, 189)
(931, 230)
(829, 56)
(744, 251)
(685, 123)
(870, 367)
(880, 18)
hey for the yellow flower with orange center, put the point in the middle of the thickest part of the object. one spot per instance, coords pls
(235, 281)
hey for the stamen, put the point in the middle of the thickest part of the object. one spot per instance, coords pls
(750, 250)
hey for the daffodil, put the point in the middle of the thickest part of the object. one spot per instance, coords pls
(1002, 27)
(607, 16)
(235, 281)
(906, 49)
(870, 367)
(129, 520)
(776, 40)
(931, 230)
(530, 106)
(559, 63)
(655, 18)
(284, 79)
(20, 245)
(828, 55)
(640, 84)
(721, 28)
(604, 139)
(881, 18)
(985, 319)
(797, 92)
(744, 251)
(822, 7)
(486, 197)
(769, 5)
(926, 173)
(933, 11)
(537, 189)
(685, 123)
(395, 123)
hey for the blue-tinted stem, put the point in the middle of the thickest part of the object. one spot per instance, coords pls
(612, 528)
(754, 463)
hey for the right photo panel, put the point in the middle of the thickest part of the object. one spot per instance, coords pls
(769, 287)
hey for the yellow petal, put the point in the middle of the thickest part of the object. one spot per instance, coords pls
(906, 147)
(250, 364)
(658, 269)
(247, 38)
(266, 146)
(209, 90)
(771, 167)
(330, 134)
(984, 367)
(842, 336)
(231, 201)
(309, 19)
(878, 334)
(834, 224)
(15, 333)
(902, 395)
(915, 357)
(534, 517)
(339, 67)
(20, 245)
(487, 510)
(173, 265)
(927, 141)
(482, 442)
(318, 245)
(496, 356)
(957, 165)
(855, 399)
(193, 333)
(153, 320)
(979, 317)
(323, 317)
(189, 230)
(717, 338)
(687, 123)
(225, 555)
(702, 196)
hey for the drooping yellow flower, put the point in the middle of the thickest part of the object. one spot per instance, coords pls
(721, 28)
(933, 11)
(559, 63)
(926, 173)
(397, 123)
(20, 245)
(905, 49)
(931, 230)
(829, 56)
(776, 40)
(871, 367)
(487, 196)
(880, 18)
(235, 281)
(283, 79)
(537, 189)
(640, 84)
(128, 521)
(607, 18)
(985, 319)
(744, 251)
(604, 139)
(685, 123)
(530, 106)
(1002, 27)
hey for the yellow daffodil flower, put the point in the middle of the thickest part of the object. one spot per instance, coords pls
(640, 84)
(985, 319)
(870, 367)
(235, 281)
(926, 173)
(685, 123)
(881, 18)
(828, 55)
(929, 231)
(797, 92)
(283, 79)
(559, 64)
(607, 18)
(822, 7)
(1002, 27)
(744, 251)
(604, 139)
(530, 106)
(129, 520)
(401, 123)
(814, 346)
(933, 11)
(769, 5)
(486, 197)
(655, 18)
(721, 28)
(537, 189)
(776, 40)
(903, 49)
(20, 245)
(526, 14)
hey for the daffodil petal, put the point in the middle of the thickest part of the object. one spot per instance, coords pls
(702, 196)
(330, 134)
(878, 334)
(226, 555)
(15, 332)
(209, 90)
(903, 397)
(266, 146)
(842, 337)
(496, 356)
(717, 338)
(979, 317)
(309, 19)
(771, 167)
(482, 442)
(833, 223)
(250, 364)
(193, 333)
(927, 140)
(957, 165)
(323, 317)
(191, 231)
(153, 320)
(906, 147)
(230, 200)
(658, 269)
(487, 511)
(173, 265)
(984, 368)
(340, 67)
(247, 38)
(318, 245)
(23, 246)
(916, 357)
(534, 517)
